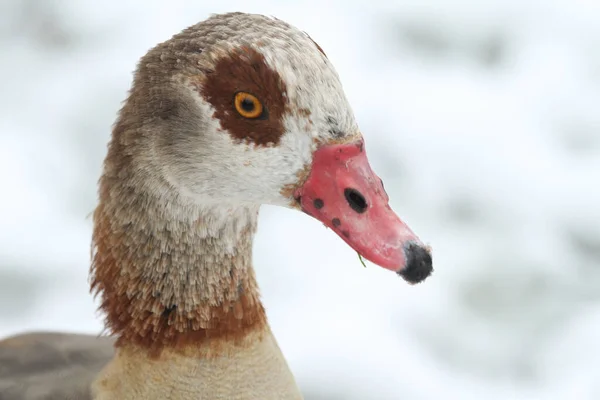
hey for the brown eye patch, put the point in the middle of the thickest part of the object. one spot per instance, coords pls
(245, 71)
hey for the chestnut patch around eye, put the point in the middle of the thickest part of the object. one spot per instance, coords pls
(244, 76)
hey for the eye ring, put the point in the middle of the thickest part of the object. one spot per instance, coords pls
(248, 105)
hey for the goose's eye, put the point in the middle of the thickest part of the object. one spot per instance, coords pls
(248, 105)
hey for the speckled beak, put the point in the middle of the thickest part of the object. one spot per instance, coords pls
(343, 192)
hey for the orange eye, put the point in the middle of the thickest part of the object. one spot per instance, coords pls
(248, 105)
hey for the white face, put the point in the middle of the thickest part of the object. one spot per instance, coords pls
(220, 156)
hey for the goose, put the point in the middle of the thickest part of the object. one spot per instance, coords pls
(237, 111)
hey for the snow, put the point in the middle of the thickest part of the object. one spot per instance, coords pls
(483, 119)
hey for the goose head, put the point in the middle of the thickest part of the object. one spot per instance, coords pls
(248, 110)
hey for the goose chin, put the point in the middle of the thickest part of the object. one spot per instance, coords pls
(344, 193)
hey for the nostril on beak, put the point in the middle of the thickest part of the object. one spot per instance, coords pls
(418, 263)
(356, 200)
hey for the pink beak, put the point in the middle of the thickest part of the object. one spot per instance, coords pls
(343, 192)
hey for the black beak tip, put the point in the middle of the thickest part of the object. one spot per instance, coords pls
(418, 264)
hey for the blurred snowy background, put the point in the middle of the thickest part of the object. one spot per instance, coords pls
(483, 119)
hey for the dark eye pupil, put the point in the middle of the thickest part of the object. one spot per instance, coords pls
(247, 105)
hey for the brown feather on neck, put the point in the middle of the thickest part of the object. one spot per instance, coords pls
(166, 282)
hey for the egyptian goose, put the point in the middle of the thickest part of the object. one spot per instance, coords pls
(236, 111)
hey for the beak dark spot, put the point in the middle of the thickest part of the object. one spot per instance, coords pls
(418, 264)
(356, 200)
